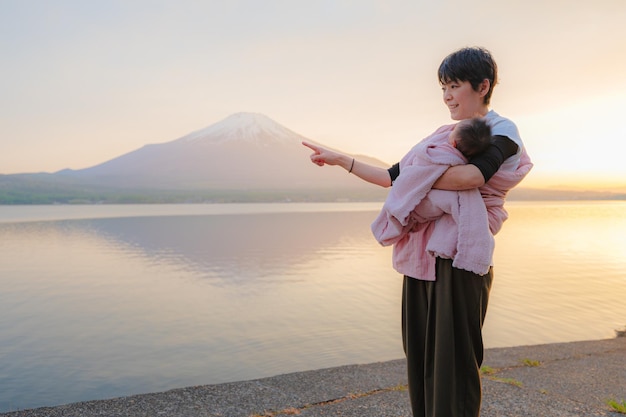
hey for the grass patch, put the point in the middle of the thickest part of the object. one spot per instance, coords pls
(531, 363)
(620, 407)
(487, 370)
(509, 381)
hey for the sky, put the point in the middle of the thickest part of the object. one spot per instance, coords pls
(82, 82)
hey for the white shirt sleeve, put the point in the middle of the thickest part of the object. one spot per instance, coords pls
(501, 126)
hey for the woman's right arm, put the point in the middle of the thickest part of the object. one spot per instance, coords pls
(323, 156)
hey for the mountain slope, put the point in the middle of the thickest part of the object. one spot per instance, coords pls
(243, 151)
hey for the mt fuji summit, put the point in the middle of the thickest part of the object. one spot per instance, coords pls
(253, 128)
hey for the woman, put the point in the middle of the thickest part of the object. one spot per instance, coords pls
(442, 318)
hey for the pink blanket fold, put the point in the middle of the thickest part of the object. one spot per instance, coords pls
(495, 190)
(424, 224)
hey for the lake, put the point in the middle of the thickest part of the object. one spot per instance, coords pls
(107, 301)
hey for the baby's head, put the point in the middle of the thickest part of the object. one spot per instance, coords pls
(471, 136)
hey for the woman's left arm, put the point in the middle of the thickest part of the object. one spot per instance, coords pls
(480, 169)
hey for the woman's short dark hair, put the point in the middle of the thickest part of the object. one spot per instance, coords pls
(473, 64)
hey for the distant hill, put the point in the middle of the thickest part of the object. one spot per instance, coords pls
(247, 157)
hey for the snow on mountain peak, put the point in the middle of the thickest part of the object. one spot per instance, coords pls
(250, 127)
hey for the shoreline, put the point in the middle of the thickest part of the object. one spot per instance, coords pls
(560, 379)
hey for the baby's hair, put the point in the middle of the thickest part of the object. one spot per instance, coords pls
(474, 136)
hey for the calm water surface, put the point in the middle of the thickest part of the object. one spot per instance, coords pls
(105, 301)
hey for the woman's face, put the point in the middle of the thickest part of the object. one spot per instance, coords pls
(463, 101)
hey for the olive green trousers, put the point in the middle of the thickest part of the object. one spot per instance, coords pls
(442, 336)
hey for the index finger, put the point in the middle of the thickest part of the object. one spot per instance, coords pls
(310, 146)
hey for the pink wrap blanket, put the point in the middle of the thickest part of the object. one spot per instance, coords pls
(423, 224)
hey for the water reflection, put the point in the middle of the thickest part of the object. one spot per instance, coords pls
(97, 308)
(108, 307)
(231, 249)
(559, 273)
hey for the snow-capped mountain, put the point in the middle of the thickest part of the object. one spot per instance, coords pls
(243, 151)
(254, 128)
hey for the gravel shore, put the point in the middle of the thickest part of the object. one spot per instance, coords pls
(553, 380)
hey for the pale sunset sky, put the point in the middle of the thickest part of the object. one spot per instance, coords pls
(83, 82)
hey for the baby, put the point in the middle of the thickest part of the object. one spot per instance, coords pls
(471, 136)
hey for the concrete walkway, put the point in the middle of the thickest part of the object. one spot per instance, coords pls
(560, 380)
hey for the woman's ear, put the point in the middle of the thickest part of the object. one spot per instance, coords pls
(483, 87)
